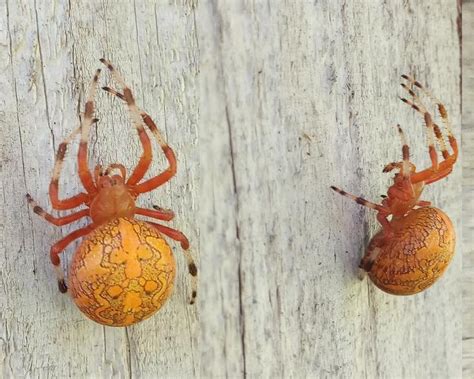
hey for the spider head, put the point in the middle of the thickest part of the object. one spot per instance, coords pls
(105, 179)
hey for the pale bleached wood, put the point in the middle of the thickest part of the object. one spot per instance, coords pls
(296, 96)
(468, 188)
(49, 52)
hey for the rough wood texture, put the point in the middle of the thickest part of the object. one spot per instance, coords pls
(296, 96)
(468, 188)
(48, 54)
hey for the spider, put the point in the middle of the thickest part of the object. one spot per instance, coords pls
(416, 244)
(123, 271)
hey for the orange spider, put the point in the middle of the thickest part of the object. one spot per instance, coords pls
(415, 246)
(124, 270)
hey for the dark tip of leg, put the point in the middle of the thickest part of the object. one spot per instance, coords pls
(192, 269)
(193, 297)
(102, 60)
(404, 76)
(62, 286)
(403, 99)
(37, 209)
(94, 120)
(334, 188)
(29, 198)
(418, 84)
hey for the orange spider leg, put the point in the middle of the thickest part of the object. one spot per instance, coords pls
(431, 133)
(59, 246)
(444, 117)
(180, 237)
(71, 202)
(145, 160)
(383, 211)
(166, 175)
(160, 214)
(97, 173)
(406, 191)
(146, 157)
(439, 175)
(84, 174)
(436, 171)
(58, 221)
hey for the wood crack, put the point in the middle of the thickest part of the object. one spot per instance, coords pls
(45, 91)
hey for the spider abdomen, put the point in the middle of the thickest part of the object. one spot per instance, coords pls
(122, 273)
(417, 254)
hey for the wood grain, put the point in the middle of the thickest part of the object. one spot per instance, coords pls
(49, 52)
(295, 97)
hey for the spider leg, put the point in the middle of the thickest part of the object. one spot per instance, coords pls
(166, 175)
(146, 157)
(158, 213)
(58, 221)
(88, 120)
(59, 246)
(71, 202)
(433, 131)
(162, 178)
(444, 118)
(359, 200)
(383, 211)
(180, 237)
(438, 175)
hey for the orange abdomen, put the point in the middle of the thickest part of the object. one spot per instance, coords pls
(122, 273)
(416, 256)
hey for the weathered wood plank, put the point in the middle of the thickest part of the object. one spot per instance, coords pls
(49, 52)
(296, 96)
(468, 188)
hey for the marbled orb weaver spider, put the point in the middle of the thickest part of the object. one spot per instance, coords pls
(415, 246)
(124, 270)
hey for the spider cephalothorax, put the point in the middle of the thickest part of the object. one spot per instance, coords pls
(124, 270)
(417, 243)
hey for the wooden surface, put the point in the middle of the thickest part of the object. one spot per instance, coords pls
(48, 54)
(297, 96)
(468, 188)
(288, 97)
